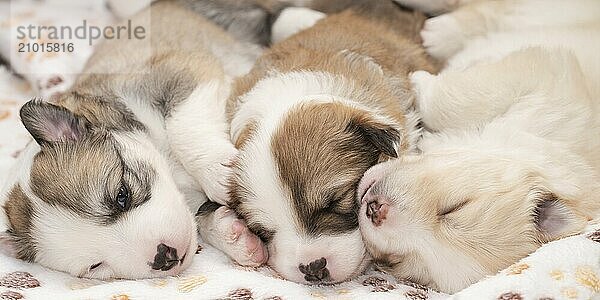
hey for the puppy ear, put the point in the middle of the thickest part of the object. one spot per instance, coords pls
(381, 133)
(553, 217)
(49, 123)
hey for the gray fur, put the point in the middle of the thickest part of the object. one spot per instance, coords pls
(248, 21)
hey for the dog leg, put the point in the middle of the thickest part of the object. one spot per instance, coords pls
(293, 20)
(464, 99)
(221, 228)
(199, 137)
(445, 35)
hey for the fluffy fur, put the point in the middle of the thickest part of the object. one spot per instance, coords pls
(511, 161)
(313, 115)
(125, 157)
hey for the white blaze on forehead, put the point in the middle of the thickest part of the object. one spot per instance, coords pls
(272, 97)
(268, 103)
(270, 204)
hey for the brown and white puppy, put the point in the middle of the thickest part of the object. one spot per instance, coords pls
(314, 114)
(129, 152)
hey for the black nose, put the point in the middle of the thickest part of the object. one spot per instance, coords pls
(165, 259)
(316, 271)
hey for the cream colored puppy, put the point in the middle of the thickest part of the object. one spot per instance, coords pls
(511, 162)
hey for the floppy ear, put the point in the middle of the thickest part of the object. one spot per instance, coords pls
(554, 218)
(49, 123)
(381, 133)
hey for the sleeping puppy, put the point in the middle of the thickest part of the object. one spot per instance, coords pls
(128, 153)
(511, 163)
(314, 114)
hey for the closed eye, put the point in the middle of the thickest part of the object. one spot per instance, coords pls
(264, 234)
(94, 266)
(454, 208)
(336, 201)
(331, 204)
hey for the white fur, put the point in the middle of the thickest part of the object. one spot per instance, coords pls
(438, 259)
(294, 88)
(124, 248)
(293, 20)
(236, 59)
(189, 150)
(445, 35)
(201, 118)
(19, 172)
(345, 254)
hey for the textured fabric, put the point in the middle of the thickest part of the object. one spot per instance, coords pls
(565, 269)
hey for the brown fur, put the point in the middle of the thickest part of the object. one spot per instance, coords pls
(318, 49)
(165, 71)
(308, 182)
(81, 175)
(19, 212)
(322, 150)
(88, 170)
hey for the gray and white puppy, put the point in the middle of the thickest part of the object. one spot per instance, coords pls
(129, 152)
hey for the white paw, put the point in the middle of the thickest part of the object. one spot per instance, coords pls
(422, 83)
(432, 7)
(442, 36)
(216, 177)
(238, 242)
(293, 20)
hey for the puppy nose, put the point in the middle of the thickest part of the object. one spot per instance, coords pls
(315, 271)
(377, 211)
(166, 258)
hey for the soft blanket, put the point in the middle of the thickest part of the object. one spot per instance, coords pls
(564, 269)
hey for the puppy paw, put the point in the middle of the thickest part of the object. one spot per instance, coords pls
(293, 20)
(216, 177)
(423, 85)
(442, 36)
(239, 243)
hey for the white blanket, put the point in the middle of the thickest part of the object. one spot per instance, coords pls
(565, 269)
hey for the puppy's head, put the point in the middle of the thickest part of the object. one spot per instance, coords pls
(94, 203)
(448, 220)
(296, 182)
